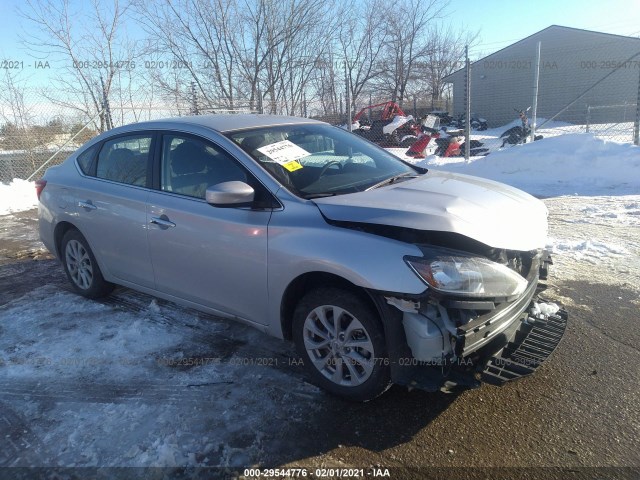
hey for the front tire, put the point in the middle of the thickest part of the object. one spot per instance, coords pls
(341, 340)
(81, 267)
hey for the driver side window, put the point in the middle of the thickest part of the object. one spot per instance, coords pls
(191, 165)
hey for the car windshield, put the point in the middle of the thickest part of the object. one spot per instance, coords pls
(316, 160)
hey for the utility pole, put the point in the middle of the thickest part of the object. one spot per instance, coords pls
(194, 100)
(467, 122)
(536, 81)
(636, 127)
(348, 96)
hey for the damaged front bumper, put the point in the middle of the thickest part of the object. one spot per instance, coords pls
(531, 345)
(447, 343)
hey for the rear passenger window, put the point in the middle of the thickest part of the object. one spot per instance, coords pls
(125, 160)
(85, 159)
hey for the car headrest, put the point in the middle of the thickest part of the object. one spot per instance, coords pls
(252, 143)
(189, 157)
(121, 155)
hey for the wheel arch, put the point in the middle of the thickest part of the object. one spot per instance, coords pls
(58, 234)
(306, 282)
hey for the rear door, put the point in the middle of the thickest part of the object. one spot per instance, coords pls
(216, 257)
(111, 206)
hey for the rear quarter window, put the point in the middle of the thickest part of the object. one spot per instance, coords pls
(85, 159)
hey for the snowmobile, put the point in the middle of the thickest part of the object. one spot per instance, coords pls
(519, 133)
(477, 122)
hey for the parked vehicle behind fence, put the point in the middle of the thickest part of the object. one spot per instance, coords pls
(387, 125)
(381, 272)
(519, 133)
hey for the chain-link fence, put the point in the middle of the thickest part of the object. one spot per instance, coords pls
(560, 80)
(556, 82)
(36, 133)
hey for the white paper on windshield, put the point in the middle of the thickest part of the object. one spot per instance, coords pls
(285, 153)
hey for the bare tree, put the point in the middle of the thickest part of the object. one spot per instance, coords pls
(444, 56)
(15, 115)
(196, 40)
(407, 45)
(92, 43)
(307, 40)
(362, 38)
(13, 108)
(326, 82)
(234, 50)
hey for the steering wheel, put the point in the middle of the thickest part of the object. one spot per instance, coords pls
(326, 167)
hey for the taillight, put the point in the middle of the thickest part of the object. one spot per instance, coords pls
(40, 184)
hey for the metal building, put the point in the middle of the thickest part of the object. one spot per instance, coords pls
(572, 61)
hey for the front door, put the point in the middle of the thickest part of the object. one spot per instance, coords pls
(216, 257)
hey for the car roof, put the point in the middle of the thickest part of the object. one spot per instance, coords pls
(228, 122)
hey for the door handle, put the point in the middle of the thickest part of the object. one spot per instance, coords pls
(162, 222)
(87, 205)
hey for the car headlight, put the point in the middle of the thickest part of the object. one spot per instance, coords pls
(468, 276)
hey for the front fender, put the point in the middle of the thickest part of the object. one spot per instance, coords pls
(300, 241)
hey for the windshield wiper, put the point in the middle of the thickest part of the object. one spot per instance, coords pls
(389, 181)
(318, 195)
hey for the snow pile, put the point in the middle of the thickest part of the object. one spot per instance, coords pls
(626, 212)
(17, 196)
(585, 249)
(572, 164)
(569, 164)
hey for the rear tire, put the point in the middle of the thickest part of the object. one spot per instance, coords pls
(341, 340)
(81, 267)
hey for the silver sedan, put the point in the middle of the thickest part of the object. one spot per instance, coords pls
(378, 270)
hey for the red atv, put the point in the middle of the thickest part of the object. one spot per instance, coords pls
(387, 125)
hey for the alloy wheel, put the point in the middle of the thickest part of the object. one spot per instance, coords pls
(338, 345)
(79, 264)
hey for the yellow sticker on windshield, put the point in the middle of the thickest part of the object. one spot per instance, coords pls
(292, 166)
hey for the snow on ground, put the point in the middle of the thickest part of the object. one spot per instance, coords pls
(571, 164)
(596, 239)
(595, 213)
(17, 196)
(153, 386)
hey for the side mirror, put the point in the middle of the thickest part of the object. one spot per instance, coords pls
(230, 194)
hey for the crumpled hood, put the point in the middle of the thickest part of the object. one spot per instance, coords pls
(490, 212)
